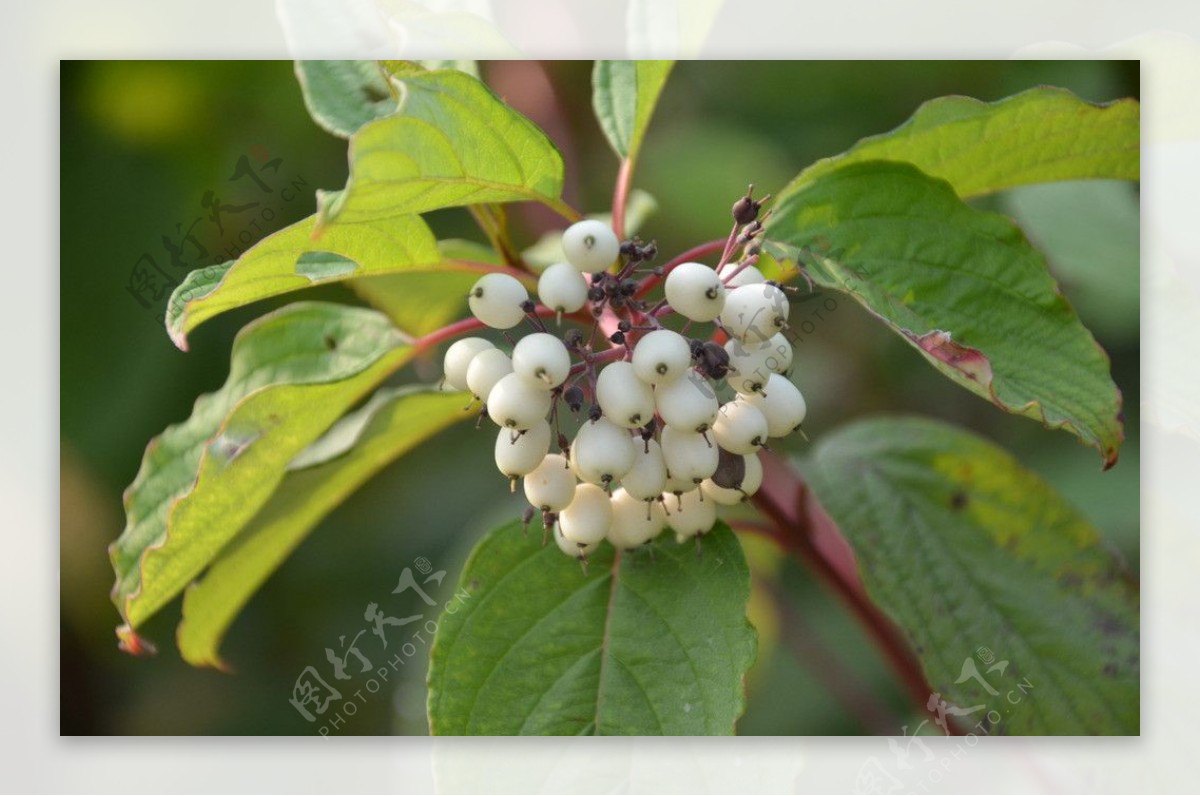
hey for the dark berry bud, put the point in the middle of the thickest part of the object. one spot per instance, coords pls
(574, 398)
(712, 360)
(624, 326)
(617, 338)
(629, 248)
(731, 469)
(573, 338)
(650, 250)
(595, 293)
(594, 413)
(628, 287)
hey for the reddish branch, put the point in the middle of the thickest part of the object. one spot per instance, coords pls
(803, 529)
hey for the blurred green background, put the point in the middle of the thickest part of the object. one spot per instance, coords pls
(142, 143)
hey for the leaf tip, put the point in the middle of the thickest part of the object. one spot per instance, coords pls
(130, 642)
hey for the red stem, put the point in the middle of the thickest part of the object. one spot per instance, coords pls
(703, 250)
(621, 197)
(803, 529)
(462, 327)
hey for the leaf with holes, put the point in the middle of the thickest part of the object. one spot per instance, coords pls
(292, 374)
(624, 94)
(318, 480)
(452, 143)
(342, 96)
(963, 286)
(1041, 135)
(650, 642)
(979, 561)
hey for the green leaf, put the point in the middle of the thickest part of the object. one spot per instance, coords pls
(342, 96)
(293, 373)
(963, 286)
(624, 94)
(452, 143)
(353, 452)
(421, 301)
(1040, 135)
(965, 550)
(641, 645)
(297, 257)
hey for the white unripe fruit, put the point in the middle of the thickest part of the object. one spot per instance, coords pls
(750, 275)
(590, 245)
(551, 485)
(751, 481)
(602, 452)
(634, 521)
(782, 404)
(755, 312)
(624, 398)
(587, 517)
(496, 300)
(780, 358)
(458, 359)
(692, 515)
(486, 368)
(542, 359)
(749, 366)
(517, 403)
(661, 357)
(740, 427)
(573, 549)
(562, 288)
(689, 403)
(688, 455)
(518, 454)
(678, 486)
(695, 291)
(647, 479)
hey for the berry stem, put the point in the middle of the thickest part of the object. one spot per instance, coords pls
(804, 530)
(703, 250)
(621, 197)
(466, 325)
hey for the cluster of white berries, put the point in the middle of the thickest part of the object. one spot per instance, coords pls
(657, 447)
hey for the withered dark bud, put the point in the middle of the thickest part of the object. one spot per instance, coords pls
(731, 470)
(745, 210)
(595, 413)
(624, 326)
(528, 306)
(628, 287)
(574, 397)
(573, 338)
(629, 248)
(618, 338)
(650, 250)
(712, 360)
(595, 293)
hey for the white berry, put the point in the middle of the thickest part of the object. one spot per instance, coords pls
(496, 300)
(782, 404)
(624, 398)
(750, 275)
(602, 452)
(740, 427)
(573, 549)
(748, 369)
(661, 356)
(726, 496)
(542, 359)
(562, 288)
(647, 479)
(755, 312)
(458, 358)
(590, 245)
(486, 368)
(634, 521)
(520, 453)
(692, 515)
(689, 456)
(780, 358)
(689, 403)
(551, 485)
(587, 517)
(695, 291)
(517, 403)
